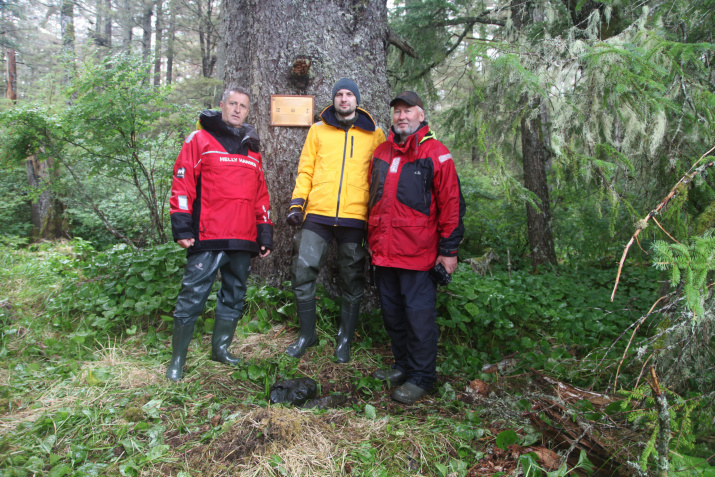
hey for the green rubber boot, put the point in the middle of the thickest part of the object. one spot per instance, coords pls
(349, 313)
(179, 346)
(221, 340)
(307, 336)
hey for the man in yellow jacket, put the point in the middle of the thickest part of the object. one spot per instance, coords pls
(330, 202)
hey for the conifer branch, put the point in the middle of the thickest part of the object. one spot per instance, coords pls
(400, 44)
(643, 223)
(483, 18)
(468, 23)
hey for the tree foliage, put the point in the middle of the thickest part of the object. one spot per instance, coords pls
(115, 140)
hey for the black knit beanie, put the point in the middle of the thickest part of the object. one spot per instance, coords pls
(350, 85)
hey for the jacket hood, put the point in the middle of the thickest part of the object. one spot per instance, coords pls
(364, 120)
(211, 120)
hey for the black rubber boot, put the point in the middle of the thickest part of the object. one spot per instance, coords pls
(179, 346)
(307, 336)
(349, 313)
(408, 393)
(393, 376)
(221, 340)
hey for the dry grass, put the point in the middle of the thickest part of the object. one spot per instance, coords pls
(303, 443)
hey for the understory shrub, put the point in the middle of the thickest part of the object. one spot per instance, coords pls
(567, 312)
(121, 287)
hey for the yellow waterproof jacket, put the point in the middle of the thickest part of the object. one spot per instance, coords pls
(332, 184)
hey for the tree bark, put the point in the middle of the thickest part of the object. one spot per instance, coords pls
(46, 210)
(127, 23)
(11, 75)
(220, 56)
(535, 157)
(263, 39)
(147, 13)
(535, 146)
(171, 35)
(68, 36)
(207, 37)
(158, 30)
(108, 23)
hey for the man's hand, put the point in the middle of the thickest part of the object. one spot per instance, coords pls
(450, 263)
(295, 216)
(264, 252)
(185, 243)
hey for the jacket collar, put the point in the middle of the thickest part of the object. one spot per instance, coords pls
(413, 140)
(364, 121)
(210, 119)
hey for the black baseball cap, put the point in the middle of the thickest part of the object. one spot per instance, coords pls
(409, 97)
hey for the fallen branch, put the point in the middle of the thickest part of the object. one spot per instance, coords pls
(662, 443)
(643, 223)
(640, 322)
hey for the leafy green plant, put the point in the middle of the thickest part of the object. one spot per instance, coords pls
(119, 289)
(486, 318)
(110, 147)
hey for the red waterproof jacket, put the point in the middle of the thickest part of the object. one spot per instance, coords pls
(416, 205)
(219, 195)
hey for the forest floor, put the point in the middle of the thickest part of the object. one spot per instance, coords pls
(114, 413)
(84, 393)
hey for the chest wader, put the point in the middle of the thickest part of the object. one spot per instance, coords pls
(199, 275)
(309, 253)
(351, 264)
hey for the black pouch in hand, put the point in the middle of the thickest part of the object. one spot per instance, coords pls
(439, 275)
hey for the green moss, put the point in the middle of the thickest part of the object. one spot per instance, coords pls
(706, 220)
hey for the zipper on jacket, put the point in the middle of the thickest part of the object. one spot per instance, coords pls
(342, 172)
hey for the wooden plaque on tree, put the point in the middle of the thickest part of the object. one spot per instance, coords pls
(291, 110)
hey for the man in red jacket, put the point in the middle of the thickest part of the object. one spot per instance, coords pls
(415, 223)
(220, 213)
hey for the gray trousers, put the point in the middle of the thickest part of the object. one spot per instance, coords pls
(309, 254)
(199, 275)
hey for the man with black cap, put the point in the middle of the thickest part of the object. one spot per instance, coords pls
(330, 202)
(220, 213)
(416, 209)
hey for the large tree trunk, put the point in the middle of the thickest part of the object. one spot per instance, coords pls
(46, 210)
(11, 75)
(535, 152)
(535, 158)
(264, 38)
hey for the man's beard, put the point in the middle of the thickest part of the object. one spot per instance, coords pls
(345, 114)
(402, 136)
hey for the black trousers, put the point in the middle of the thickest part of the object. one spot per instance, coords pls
(408, 300)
